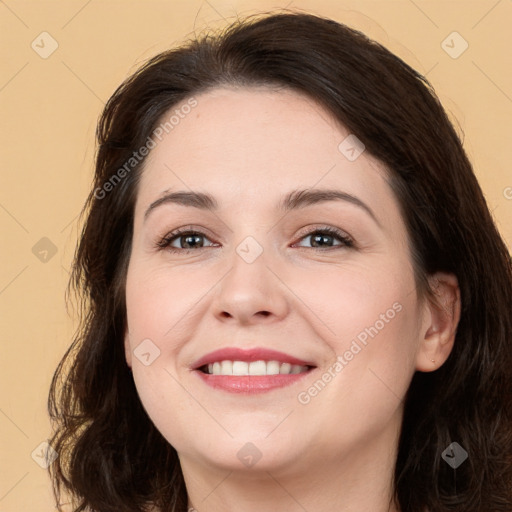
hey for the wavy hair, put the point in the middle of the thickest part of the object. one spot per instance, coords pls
(111, 456)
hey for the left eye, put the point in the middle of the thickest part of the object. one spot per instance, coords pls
(190, 240)
(323, 238)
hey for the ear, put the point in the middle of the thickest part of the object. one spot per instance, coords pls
(127, 349)
(441, 321)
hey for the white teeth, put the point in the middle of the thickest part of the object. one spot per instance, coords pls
(254, 368)
(285, 368)
(226, 368)
(239, 368)
(273, 368)
(258, 368)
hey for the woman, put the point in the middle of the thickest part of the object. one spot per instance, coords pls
(295, 295)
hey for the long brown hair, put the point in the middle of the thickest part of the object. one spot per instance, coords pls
(111, 456)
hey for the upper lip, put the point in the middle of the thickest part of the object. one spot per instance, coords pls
(248, 355)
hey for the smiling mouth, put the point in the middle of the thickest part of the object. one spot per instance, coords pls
(253, 368)
(247, 371)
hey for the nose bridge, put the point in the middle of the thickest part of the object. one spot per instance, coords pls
(250, 290)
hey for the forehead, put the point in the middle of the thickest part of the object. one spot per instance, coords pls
(255, 144)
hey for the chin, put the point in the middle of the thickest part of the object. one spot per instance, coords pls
(252, 451)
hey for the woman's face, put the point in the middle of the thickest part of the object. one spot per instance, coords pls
(262, 274)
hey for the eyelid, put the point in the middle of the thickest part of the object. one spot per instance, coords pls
(164, 242)
(334, 231)
(347, 241)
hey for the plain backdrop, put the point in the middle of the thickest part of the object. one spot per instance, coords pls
(61, 61)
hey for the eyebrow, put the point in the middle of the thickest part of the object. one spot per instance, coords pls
(292, 201)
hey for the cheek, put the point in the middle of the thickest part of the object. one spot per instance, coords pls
(170, 408)
(372, 369)
(354, 300)
(369, 319)
(162, 311)
(160, 302)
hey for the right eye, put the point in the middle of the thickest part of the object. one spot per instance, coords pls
(187, 240)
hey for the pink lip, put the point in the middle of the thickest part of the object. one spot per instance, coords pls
(248, 355)
(249, 384)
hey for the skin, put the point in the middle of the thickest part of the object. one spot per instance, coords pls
(249, 147)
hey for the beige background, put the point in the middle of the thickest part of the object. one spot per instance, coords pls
(49, 108)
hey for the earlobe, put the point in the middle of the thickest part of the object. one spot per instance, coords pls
(444, 314)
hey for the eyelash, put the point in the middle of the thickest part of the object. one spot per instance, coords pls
(165, 242)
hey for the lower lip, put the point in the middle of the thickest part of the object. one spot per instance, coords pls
(249, 384)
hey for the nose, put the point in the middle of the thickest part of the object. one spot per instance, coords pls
(250, 293)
